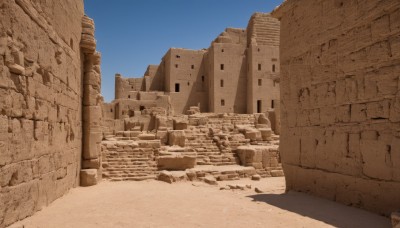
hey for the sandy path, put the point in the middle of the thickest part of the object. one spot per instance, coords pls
(158, 204)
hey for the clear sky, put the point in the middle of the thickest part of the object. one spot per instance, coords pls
(132, 34)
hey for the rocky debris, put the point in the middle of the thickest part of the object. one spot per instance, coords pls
(256, 177)
(166, 177)
(258, 190)
(88, 177)
(277, 173)
(209, 179)
(395, 219)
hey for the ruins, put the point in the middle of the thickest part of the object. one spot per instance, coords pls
(340, 65)
(170, 119)
(309, 92)
(238, 73)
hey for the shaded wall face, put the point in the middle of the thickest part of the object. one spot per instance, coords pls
(229, 78)
(40, 104)
(340, 100)
(187, 75)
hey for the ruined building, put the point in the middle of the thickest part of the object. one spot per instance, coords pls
(340, 64)
(189, 113)
(238, 73)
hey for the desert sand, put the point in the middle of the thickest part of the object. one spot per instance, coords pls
(196, 204)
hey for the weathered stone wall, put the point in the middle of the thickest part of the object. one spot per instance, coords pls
(263, 63)
(40, 104)
(186, 71)
(340, 64)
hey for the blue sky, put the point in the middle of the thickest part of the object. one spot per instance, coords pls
(131, 34)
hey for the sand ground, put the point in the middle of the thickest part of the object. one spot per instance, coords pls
(196, 204)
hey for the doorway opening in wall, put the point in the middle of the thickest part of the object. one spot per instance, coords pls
(177, 87)
(259, 103)
(272, 103)
(273, 68)
(142, 108)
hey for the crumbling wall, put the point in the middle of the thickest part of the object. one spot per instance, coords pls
(40, 104)
(340, 64)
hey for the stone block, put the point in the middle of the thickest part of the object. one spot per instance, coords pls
(395, 219)
(266, 133)
(256, 177)
(162, 136)
(176, 162)
(209, 179)
(88, 177)
(150, 144)
(165, 176)
(253, 135)
(16, 69)
(176, 138)
(92, 115)
(91, 164)
(277, 173)
(180, 124)
(91, 145)
(146, 136)
(249, 155)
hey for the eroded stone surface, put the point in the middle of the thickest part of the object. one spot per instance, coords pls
(340, 69)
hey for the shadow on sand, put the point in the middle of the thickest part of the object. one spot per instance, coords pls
(326, 211)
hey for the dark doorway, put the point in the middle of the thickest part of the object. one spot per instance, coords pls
(177, 87)
(259, 103)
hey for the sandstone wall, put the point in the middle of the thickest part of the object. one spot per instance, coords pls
(263, 63)
(40, 104)
(228, 77)
(340, 64)
(186, 70)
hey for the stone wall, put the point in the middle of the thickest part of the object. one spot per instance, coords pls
(40, 104)
(340, 64)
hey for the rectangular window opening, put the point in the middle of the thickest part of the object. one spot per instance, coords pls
(192, 66)
(273, 68)
(222, 66)
(222, 83)
(222, 102)
(176, 65)
(259, 82)
(177, 87)
(202, 78)
(272, 104)
(259, 67)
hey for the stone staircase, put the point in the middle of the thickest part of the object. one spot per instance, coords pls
(123, 162)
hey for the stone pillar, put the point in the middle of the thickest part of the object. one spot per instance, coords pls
(92, 99)
(118, 86)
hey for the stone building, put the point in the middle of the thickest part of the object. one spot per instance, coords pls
(49, 79)
(340, 64)
(238, 73)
